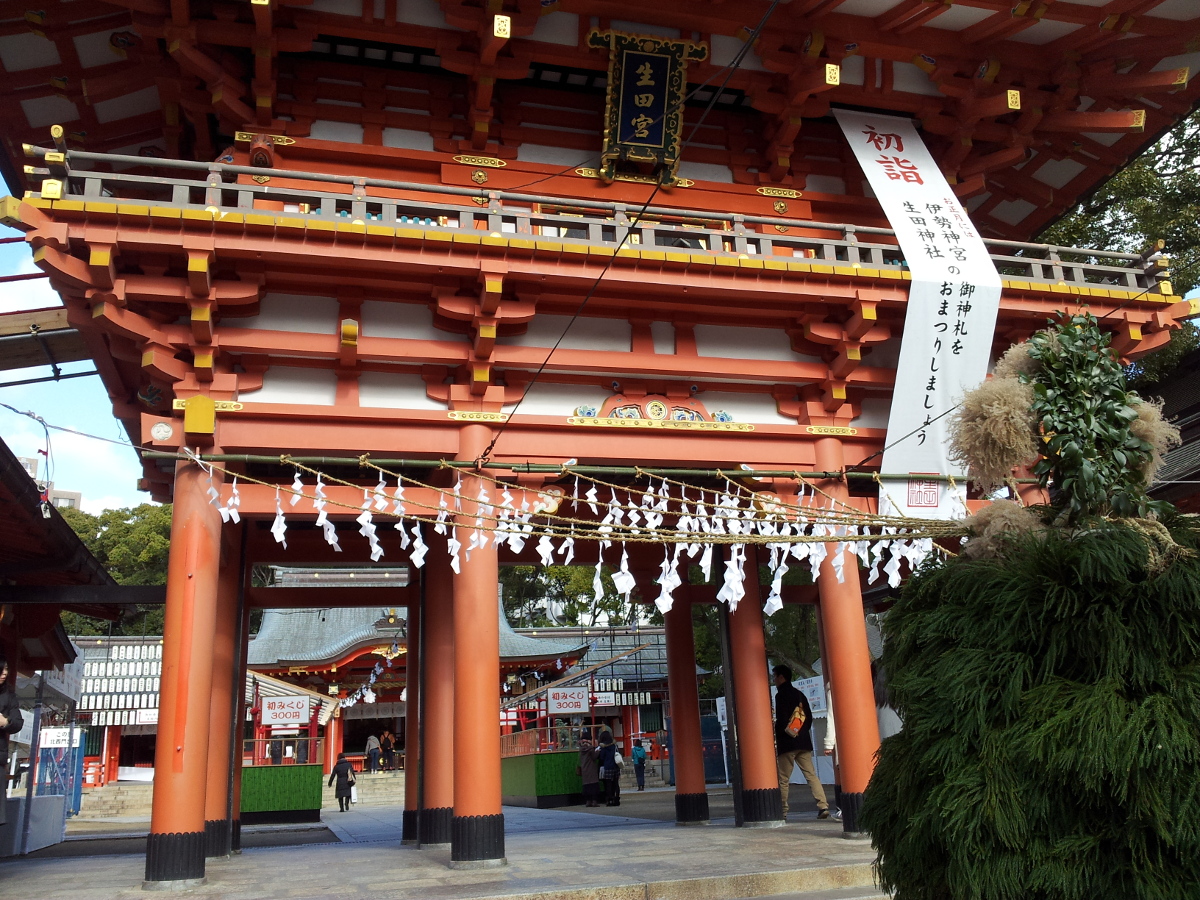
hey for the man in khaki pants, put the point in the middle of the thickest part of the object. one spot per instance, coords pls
(796, 749)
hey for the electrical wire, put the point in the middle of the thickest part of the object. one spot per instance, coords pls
(925, 425)
(49, 427)
(729, 67)
(737, 61)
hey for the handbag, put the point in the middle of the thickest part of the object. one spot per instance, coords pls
(617, 760)
(353, 793)
(795, 723)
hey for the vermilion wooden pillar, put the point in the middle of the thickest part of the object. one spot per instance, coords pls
(412, 750)
(761, 803)
(437, 802)
(239, 729)
(175, 847)
(477, 835)
(222, 698)
(848, 663)
(691, 796)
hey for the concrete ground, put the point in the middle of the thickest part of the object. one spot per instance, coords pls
(632, 852)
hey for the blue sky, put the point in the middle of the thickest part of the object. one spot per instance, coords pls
(105, 473)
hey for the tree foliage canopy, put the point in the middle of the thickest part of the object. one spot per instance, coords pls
(1156, 197)
(133, 545)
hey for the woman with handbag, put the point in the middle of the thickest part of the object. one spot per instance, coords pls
(610, 769)
(344, 773)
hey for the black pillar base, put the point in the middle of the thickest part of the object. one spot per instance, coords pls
(235, 836)
(762, 805)
(851, 807)
(434, 825)
(691, 809)
(175, 857)
(216, 838)
(477, 842)
(410, 827)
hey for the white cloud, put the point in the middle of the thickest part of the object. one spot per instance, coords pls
(16, 259)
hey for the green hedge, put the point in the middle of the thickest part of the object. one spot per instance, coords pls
(278, 788)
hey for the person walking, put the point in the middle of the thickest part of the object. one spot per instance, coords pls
(343, 772)
(793, 740)
(387, 743)
(610, 769)
(373, 750)
(589, 772)
(10, 723)
(639, 764)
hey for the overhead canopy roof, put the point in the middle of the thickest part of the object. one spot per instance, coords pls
(38, 548)
(1098, 82)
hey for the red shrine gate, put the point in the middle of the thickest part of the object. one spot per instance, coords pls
(389, 259)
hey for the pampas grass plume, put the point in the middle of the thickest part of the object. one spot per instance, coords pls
(993, 431)
(1156, 431)
(996, 524)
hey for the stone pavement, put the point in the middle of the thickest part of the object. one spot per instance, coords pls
(552, 855)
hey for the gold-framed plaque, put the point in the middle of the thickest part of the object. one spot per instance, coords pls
(643, 113)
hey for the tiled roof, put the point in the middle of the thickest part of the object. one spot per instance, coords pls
(299, 636)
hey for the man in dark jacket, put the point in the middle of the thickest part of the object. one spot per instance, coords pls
(795, 750)
(10, 723)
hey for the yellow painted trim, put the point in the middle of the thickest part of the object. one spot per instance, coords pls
(132, 209)
(99, 256)
(751, 263)
(521, 243)
(775, 265)
(232, 218)
(259, 219)
(437, 236)
(467, 237)
(492, 240)
(200, 215)
(381, 230)
(411, 234)
(284, 222)
(659, 255)
(350, 227)
(730, 261)
(548, 246)
(574, 248)
(318, 225)
(601, 250)
(165, 212)
(821, 269)
(99, 206)
(69, 205)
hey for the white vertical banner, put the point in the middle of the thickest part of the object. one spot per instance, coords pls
(950, 318)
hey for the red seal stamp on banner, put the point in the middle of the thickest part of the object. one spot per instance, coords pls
(923, 491)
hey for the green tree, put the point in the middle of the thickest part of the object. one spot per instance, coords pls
(1047, 675)
(539, 596)
(133, 545)
(1156, 197)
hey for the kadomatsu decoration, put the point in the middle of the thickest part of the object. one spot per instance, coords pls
(1048, 682)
